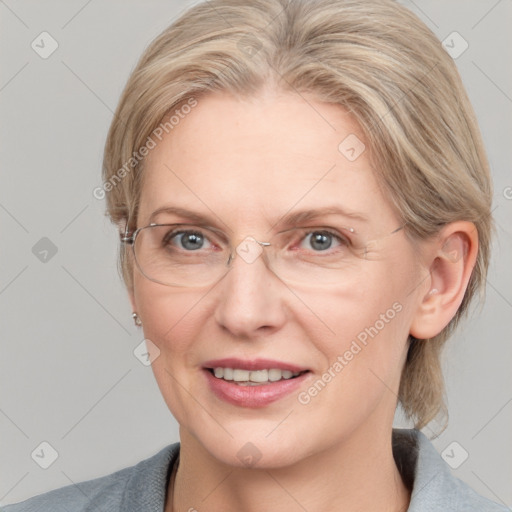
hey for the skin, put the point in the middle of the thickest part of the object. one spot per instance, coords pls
(260, 158)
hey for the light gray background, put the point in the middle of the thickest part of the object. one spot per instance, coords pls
(67, 369)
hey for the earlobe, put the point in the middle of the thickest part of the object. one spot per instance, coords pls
(454, 257)
(131, 296)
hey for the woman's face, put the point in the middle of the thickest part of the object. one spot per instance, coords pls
(245, 165)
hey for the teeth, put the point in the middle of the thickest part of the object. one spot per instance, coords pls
(259, 376)
(239, 375)
(246, 377)
(274, 375)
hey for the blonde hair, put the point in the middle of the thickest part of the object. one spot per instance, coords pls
(375, 59)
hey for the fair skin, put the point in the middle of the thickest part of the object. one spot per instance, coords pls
(246, 164)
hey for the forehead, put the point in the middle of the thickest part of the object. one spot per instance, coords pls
(256, 159)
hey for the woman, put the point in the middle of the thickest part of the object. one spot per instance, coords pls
(303, 202)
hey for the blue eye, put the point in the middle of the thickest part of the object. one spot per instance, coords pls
(323, 240)
(188, 240)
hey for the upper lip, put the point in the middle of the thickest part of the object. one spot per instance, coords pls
(253, 364)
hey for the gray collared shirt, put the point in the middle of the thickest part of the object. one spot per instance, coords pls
(142, 487)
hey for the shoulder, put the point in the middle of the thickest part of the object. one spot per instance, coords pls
(433, 485)
(139, 487)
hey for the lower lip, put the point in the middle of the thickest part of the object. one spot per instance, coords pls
(253, 396)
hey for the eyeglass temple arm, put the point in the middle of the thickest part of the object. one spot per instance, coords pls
(126, 238)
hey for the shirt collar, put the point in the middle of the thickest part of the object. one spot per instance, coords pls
(422, 468)
(147, 486)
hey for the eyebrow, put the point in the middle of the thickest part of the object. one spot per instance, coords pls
(182, 212)
(288, 220)
(308, 215)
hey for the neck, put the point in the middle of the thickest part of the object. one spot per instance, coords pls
(355, 475)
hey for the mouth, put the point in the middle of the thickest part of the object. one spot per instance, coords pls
(254, 383)
(243, 377)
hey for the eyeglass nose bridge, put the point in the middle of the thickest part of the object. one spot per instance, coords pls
(249, 249)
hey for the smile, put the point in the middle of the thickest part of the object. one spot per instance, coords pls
(255, 383)
(255, 377)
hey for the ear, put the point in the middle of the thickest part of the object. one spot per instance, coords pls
(131, 296)
(121, 226)
(452, 259)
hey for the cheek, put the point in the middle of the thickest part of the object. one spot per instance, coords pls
(171, 320)
(363, 358)
(169, 316)
(366, 320)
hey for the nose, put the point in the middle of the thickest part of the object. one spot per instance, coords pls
(251, 298)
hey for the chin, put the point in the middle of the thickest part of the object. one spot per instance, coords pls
(249, 455)
(251, 446)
